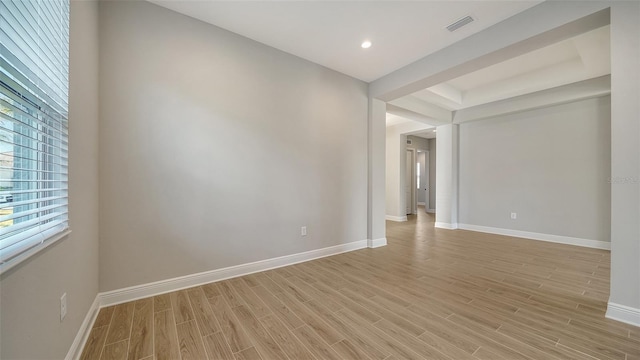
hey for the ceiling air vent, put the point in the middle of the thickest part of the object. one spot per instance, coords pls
(459, 23)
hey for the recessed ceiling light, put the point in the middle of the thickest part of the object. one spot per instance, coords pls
(366, 44)
(434, 130)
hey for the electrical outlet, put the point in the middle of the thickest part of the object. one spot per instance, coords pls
(303, 231)
(63, 306)
(514, 216)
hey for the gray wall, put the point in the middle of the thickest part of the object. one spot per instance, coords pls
(30, 326)
(215, 149)
(417, 142)
(550, 166)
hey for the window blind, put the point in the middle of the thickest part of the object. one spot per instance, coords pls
(34, 87)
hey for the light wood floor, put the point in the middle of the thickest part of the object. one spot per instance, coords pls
(430, 294)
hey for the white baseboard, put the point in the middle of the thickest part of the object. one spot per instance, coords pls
(449, 226)
(597, 244)
(431, 211)
(421, 203)
(622, 313)
(374, 243)
(164, 286)
(396, 218)
(85, 329)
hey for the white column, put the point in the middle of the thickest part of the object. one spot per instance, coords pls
(376, 185)
(395, 205)
(624, 299)
(447, 177)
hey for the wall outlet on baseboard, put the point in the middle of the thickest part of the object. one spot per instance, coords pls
(63, 306)
(303, 231)
(514, 216)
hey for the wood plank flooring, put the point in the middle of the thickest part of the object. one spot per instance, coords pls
(430, 294)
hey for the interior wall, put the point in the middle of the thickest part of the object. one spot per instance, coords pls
(418, 143)
(432, 174)
(215, 149)
(550, 166)
(30, 326)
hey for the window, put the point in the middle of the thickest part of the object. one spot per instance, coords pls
(34, 87)
(418, 172)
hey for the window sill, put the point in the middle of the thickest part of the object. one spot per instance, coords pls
(5, 267)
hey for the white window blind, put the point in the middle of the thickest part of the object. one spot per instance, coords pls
(34, 87)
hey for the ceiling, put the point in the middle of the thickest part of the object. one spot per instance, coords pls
(427, 134)
(572, 61)
(393, 120)
(583, 57)
(329, 33)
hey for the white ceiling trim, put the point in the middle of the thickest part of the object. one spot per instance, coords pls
(586, 89)
(436, 114)
(412, 116)
(493, 45)
(448, 92)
